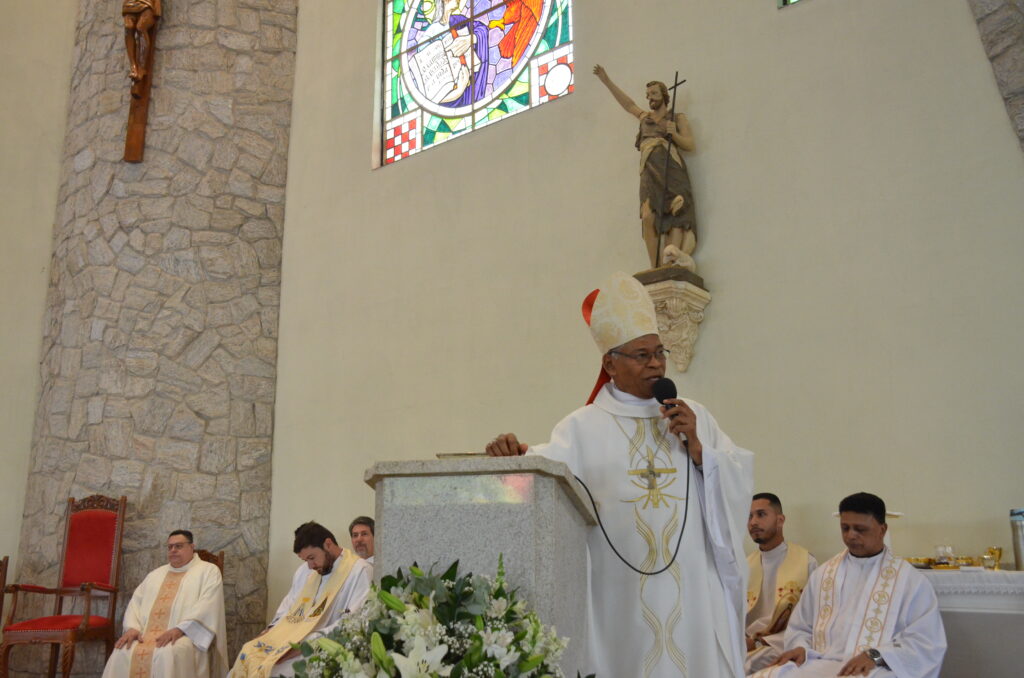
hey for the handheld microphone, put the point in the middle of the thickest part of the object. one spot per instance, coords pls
(665, 389)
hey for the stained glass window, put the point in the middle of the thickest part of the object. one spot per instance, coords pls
(452, 66)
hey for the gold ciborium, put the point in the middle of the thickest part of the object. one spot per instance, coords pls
(993, 556)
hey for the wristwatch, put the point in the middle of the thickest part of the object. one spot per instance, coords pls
(876, 656)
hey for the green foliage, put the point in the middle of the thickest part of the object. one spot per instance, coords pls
(460, 626)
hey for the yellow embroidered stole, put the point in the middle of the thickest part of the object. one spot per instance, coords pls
(876, 601)
(156, 625)
(790, 581)
(258, 656)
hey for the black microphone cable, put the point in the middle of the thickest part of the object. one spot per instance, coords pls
(679, 540)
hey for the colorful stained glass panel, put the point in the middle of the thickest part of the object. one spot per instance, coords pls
(461, 64)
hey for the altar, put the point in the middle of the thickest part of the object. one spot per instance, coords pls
(983, 613)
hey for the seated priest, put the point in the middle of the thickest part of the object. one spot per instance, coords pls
(330, 582)
(174, 624)
(778, 573)
(361, 531)
(865, 612)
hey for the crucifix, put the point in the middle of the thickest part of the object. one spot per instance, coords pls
(141, 19)
(651, 473)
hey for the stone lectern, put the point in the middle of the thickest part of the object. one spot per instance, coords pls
(471, 509)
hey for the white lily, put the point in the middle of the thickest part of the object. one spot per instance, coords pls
(420, 663)
(497, 608)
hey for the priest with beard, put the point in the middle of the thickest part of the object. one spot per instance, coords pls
(330, 582)
(779, 570)
(865, 612)
(656, 473)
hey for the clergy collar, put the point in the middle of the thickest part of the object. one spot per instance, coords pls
(779, 548)
(635, 407)
(866, 559)
(184, 568)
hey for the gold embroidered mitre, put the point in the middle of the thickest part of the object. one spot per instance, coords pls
(622, 311)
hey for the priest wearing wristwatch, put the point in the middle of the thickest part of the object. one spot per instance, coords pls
(865, 612)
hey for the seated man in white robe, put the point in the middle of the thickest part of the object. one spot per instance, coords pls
(673, 492)
(361, 532)
(778, 573)
(865, 612)
(330, 582)
(174, 624)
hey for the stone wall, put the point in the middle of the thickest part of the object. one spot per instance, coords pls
(1001, 25)
(160, 332)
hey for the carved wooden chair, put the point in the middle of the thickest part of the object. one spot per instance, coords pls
(210, 557)
(89, 569)
(3, 584)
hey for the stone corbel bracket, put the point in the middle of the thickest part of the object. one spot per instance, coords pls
(679, 300)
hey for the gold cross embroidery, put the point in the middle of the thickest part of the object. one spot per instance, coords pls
(655, 496)
(143, 662)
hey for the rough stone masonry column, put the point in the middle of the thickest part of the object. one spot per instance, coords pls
(160, 331)
(1001, 26)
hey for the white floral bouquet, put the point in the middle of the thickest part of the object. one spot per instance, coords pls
(425, 625)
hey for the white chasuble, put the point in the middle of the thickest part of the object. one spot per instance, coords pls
(190, 598)
(853, 604)
(688, 620)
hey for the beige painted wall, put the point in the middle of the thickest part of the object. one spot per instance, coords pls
(859, 194)
(35, 70)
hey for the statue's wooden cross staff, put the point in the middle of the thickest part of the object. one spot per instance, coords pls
(676, 82)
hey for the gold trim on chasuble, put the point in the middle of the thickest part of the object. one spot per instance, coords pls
(876, 612)
(156, 625)
(651, 470)
(793, 575)
(259, 655)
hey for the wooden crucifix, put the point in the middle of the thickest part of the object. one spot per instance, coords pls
(141, 19)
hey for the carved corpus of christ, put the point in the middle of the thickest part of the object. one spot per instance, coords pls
(140, 20)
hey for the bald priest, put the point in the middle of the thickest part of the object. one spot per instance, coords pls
(174, 625)
(675, 511)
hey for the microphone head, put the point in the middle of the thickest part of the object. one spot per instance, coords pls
(664, 388)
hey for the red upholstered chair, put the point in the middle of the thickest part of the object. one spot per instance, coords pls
(3, 583)
(89, 569)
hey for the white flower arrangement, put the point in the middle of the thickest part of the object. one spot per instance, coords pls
(423, 625)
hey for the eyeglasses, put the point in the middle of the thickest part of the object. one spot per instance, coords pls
(644, 357)
(178, 546)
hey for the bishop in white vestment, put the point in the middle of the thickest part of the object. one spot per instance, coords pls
(864, 612)
(174, 625)
(688, 619)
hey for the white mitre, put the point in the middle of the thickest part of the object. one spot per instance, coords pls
(622, 311)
